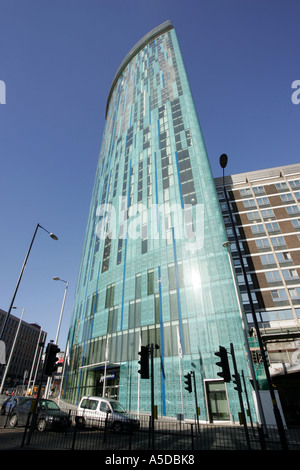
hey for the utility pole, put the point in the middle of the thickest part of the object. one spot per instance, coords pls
(237, 380)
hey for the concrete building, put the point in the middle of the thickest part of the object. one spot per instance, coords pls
(24, 353)
(266, 210)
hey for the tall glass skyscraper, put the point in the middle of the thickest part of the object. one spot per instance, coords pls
(154, 269)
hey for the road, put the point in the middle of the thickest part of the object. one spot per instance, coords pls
(10, 438)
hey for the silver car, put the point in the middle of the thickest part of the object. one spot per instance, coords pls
(93, 411)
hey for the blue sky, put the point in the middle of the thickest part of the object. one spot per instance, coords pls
(58, 59)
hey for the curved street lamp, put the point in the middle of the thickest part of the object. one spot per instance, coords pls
(54, 237)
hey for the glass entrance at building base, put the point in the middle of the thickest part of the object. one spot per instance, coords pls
(111, 381)
(218, 407)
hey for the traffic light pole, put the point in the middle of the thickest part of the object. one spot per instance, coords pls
(239, 390)
(48, 368)
(248, 404)
(152, 396)
(144, 371)
(196, 402)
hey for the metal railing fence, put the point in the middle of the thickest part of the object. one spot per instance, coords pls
(169, 435)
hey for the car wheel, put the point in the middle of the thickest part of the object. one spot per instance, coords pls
(117, 427)
(42, 425)
(13, 421)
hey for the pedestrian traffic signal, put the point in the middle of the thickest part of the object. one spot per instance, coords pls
(188, 382)
(144, 362)
(222, 354)
(51, 359)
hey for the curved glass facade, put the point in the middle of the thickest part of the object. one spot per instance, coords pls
(154, 269)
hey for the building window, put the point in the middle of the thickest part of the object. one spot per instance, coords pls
(249, 203)
(259, 190)
(119, 254)
(267, 214)
(134, 316)
(273, 276)
(112, 320)
(278, 242)
(296, 224)
(245, 192)
(281, 186)
(284, 257)
(172, 275)
(106, 253)
(258, 229)
(138, 286)
(295, 184)
(267, 259)
(290, 274)
(253, 215)
(278, 295)
(292, 210)
(273, 315)
(110, 294)
(144, 246)
(94, 306)
(287, 197)
(272, 227)
(263, 201)
(173, 305)
(245, 298)
(156, 309)
(295, 293)
(150, 282)
(262, 243)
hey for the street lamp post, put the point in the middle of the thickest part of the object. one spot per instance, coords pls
(34, 364)
(54, 237)
(227, 245)
(62, 307)
(58, 327)
(223, 162)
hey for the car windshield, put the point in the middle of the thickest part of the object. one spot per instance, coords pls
(48, 405)
(117, 407)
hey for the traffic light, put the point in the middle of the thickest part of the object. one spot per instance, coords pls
(51, 359)
(144, 370)
(222, 354)
(188, 382)
(237, 381)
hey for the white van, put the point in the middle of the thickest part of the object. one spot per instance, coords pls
(93, 411)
